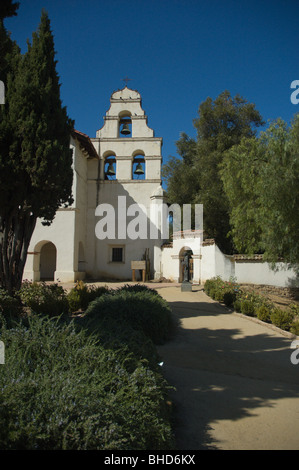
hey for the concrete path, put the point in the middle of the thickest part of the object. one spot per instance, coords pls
(236, 387)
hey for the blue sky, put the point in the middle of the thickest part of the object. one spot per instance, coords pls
(176, 53)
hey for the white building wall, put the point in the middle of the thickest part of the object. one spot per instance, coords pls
(66, 231)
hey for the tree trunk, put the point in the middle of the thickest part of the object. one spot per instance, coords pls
(15, 234)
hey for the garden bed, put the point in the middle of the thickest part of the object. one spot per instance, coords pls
(268, 304)
(82, 370)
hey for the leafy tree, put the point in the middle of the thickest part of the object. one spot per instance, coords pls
(35, 159)
(181, 173)
(261, 181)
(221, 124)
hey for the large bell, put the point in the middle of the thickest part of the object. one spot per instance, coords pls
(125, 130)
(139, 170)
(110, 170)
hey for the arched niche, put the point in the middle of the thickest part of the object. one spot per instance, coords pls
(185, 256)
(47, 260)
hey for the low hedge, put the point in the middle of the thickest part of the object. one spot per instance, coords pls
(252, 304)
(144, 311)
(61, 389)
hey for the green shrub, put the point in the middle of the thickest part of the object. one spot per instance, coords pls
(47, 299)
(247, 307)
(143, 311)
(78, 297)
(294, 308)
(136, 288)
(263, 313)
(222, 291)
(114, 334)
(282, 319)
(9, 306)
(209, 285)
(295, 327)
(95, 292)
(229, 298)
(60, 389)
(237, 305)
(81, 295)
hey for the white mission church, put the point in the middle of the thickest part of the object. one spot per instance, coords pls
(124, 159)
(123, 162)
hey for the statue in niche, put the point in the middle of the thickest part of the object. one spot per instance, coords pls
(186, 268)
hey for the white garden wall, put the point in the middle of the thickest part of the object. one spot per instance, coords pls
(210, 262)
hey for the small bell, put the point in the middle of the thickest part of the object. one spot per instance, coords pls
(139, 170)
(110, 170)
(125, 130)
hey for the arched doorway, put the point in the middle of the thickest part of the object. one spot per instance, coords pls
(47, 264)
(186, 255)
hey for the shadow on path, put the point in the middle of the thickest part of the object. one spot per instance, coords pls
(236, 387)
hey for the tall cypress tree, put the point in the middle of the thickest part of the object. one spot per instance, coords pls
(35, 158)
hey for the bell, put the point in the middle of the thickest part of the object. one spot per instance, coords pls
(125, 130)
(110, 170)
(139, 170)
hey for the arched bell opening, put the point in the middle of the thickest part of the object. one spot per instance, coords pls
(125, 124)
(110, 168)
(138, 167)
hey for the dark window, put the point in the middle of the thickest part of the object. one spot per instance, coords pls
(117, 254)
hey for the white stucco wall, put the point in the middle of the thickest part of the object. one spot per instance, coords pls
(67, 230)
(211, 262)
(215, 263)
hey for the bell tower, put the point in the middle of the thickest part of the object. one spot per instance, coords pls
(130, 162)
(126, 136)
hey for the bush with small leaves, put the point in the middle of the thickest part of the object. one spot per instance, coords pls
(247, 307)
(263, 313)
(10, 307)
(295, 327)
(82, 294)
(42, 298)
(62, 390)
(282, 319)
(144, 311)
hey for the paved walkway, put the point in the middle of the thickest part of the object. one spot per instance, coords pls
(236, 387)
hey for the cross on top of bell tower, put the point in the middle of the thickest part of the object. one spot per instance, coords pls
(126, 80)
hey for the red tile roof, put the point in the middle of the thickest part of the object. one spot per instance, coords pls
(86, 143)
